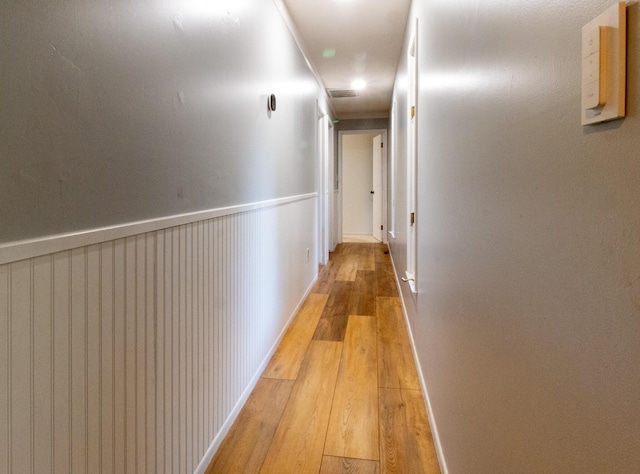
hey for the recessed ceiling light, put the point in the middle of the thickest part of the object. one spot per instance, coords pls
(358, 84)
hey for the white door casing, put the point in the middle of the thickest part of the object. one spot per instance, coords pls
(377, 188)
(324, 211)
(340, 200)
(412, 223)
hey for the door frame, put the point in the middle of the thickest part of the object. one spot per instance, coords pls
(337, 218)
(376, 188)
(411, 273)
(324, 179)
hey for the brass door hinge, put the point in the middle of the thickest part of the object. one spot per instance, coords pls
(413, 218)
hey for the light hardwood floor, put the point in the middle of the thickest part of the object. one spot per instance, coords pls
(341, 394)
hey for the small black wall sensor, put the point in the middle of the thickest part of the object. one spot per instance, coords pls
(271, 102)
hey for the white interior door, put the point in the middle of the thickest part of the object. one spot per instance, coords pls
(323, 190)
(412, 146)
(376, 188)
(357, 180)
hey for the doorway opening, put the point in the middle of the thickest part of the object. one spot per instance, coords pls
(325, 179)
(362, 160)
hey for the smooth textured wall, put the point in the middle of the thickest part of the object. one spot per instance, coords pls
(130, 342)
(362, 124)
(114, 112)
(527, 317)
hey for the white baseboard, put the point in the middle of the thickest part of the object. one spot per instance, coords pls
(224, 430)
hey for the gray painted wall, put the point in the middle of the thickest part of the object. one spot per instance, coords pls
(362, 124)
(113, 111)
(527, 319)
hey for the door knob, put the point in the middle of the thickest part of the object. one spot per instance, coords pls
(372, 192)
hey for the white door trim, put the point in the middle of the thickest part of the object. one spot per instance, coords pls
(323, 184)
(337, 218)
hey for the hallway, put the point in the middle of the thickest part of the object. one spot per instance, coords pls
(341, 393)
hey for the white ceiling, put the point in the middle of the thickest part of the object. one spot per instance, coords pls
(367, 37)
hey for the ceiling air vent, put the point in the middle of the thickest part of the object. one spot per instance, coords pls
(341, 93)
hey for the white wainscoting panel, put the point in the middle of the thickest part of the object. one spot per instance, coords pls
(130, 355)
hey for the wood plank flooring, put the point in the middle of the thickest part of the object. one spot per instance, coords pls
(341, 393)
(353, 427)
